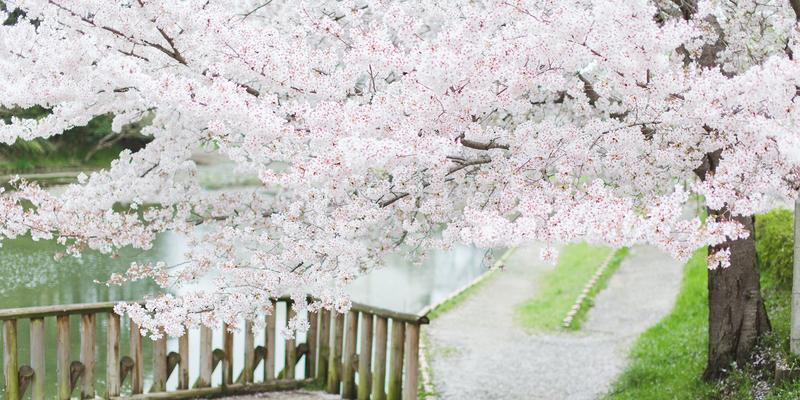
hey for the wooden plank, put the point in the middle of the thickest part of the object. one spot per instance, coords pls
(136, 354)
(112, 356)
(62, 357)
(249, 352)
(394, 315)
(183, 368)
(94, 308)
(159, 365)
(88, 342)
(365, 357)
(235, 389)
(379, 366)
(335, 359)
(227, 359)
(206, 362)
(37, 359)
(49, 311)
(396, 361)
(411, 389)
(291, 347)
(311, 341)
(10, 359)
(324, 344)
(349, 356)
(269, 340)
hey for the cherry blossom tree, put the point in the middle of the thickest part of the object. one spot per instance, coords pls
(381, 126)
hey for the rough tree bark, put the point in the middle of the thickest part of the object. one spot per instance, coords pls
(736, 313)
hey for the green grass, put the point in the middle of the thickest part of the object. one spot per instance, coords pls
(55, 161)
(559, 288)
(602, 282)
(668, 359)
(459, 298)
(70, 150)
(422, 394)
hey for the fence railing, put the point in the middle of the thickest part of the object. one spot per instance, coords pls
(351, 354)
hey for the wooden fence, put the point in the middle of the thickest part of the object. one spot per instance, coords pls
(354, 355)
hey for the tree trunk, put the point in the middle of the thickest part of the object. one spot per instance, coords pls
(736, 313)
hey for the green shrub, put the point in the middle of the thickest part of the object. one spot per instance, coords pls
(774, 242)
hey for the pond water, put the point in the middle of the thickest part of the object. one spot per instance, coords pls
(29, 276)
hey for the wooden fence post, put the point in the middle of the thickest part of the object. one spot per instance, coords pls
(227, 360)
(37, 359)
(311, 341)
(10, 359)
(324, 344)
(62, 357)
(206, 362)
(396, 361)
(335, 359)
(136, 354)
(249, 352)
(379, 374)
(112, 356)
(349, 356)
(183, 369)
(269, 340)
(365, 357)
(159, 365)
(290, 358)
(88, 329)
(411, 390)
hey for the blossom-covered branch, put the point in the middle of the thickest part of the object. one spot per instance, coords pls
(372, 123)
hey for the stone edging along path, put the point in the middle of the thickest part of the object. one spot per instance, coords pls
(579, 301)
(479, 352)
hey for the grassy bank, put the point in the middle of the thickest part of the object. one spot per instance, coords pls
(559, 287)
(90, 146)
(461, 296)
(668, 359)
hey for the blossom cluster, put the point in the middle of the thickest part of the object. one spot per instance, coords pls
(377, 125)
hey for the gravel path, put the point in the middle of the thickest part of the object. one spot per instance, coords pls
(293, 395)
(478, 352)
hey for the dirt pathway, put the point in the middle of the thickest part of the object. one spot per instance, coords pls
(478, 352)
(293, 395)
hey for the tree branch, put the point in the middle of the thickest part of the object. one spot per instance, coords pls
(472, 144)
(467, 163)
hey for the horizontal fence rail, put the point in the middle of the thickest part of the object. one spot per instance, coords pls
(367, 353)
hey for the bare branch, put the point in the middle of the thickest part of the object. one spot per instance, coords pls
(472, 144)
(391, 201)
(465, 164)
